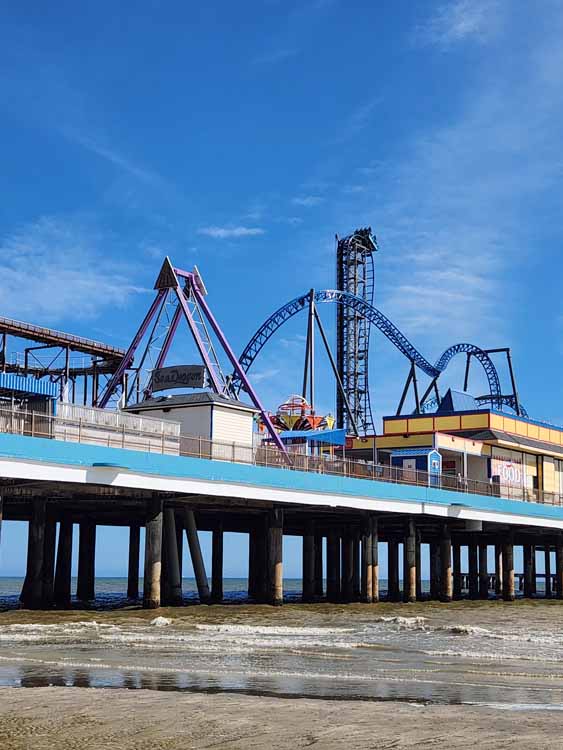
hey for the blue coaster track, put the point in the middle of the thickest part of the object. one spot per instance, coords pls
(387, 328)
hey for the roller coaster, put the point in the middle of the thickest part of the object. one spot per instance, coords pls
(356, 314)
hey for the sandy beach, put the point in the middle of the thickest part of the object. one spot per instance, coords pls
(68, 718)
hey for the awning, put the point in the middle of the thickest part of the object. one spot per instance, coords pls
(332, 437)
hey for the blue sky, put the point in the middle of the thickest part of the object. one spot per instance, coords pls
(241, 137)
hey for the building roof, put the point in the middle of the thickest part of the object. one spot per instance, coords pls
(518, 440)
(189, 399)
(455, 401)
(333, 437)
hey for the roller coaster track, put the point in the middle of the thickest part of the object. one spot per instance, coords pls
(380, 321)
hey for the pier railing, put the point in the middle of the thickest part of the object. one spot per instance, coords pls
(123, 435)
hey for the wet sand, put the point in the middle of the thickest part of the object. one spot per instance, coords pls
(69, 718)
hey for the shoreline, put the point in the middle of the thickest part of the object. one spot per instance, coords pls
(66, 718)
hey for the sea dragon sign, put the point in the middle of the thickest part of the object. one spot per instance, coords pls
(179, 376)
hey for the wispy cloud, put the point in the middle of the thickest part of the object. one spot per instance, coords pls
(275, 56)
(307, 201)
(292, 33)
(52, 270)
(460, 20)
(225, 233)
(97, 147)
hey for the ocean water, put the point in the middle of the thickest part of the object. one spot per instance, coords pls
(499, 654)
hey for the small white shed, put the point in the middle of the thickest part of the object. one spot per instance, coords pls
(207, 415)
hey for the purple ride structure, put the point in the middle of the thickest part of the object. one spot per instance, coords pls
(180, 294)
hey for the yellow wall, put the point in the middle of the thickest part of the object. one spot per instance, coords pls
(391, 426)
(447, 423)
(451, 423)
(471, 421)
(421, 424)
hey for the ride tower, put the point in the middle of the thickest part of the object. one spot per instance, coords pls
(354, 274)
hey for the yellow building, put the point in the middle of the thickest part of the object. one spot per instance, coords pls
(522, 457)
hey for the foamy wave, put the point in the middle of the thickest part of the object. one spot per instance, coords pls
(270, 630)
(406, 623)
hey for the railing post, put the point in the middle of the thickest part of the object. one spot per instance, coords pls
(32, 424)
(233, 455)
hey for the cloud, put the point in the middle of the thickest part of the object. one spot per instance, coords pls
(276, 56)
(224, 233)
(108, 154)
(308, 201)
(461, 20)
(51, 270)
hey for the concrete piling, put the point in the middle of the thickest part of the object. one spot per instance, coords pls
(153, 555)
(63, 564)
(393, 570)
(85, 586)
(409, 563)
(483, 572)
(508, 592)
(217, 564)
(174, 593)
(308, 571)
(133, 562)
(275, 556)
(446, 580)
(456, 569)
(374, 559)
(197, 558)
(333, 567)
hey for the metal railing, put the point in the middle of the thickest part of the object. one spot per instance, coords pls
(39, 425)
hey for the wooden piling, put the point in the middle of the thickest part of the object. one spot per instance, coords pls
(559, 568)
(64, 564)
(473, 569)
(85, 585)
(483, 572)
(528, 570)
(308, 572)
(217, 564)
(174, 595)
(49, 562)
(508, 592)
(197, 557)
(456, 555)
(153, 555)
(446, 580)
(374, 559)
(393, 570)
(333, 567)
(367, 568)
(498, 570)
(409, 563)
(547, 557)
(133, 562)
(319, 588)
(275, 556)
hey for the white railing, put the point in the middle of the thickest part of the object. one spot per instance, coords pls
(123, 435)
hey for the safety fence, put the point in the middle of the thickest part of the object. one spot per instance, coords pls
(117, 433)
